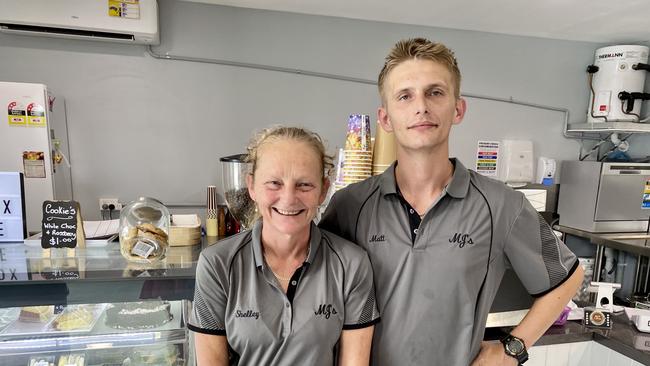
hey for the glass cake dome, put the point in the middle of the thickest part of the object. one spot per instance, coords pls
(144, 230)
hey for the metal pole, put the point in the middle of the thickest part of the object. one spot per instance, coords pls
(637, 273)
(647, 275)
(598, 263)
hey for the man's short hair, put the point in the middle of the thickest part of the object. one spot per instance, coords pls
(420, 49)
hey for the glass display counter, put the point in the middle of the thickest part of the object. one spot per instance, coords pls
(91, 307)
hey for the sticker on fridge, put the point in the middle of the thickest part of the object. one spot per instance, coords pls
(16, 114)
(487, 156)
(645, 204)
(35, 115)
(129, 9)
(34, 164)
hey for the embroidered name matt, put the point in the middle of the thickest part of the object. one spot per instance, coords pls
(377, 238)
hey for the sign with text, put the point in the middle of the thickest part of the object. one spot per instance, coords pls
(62, 225)
(487, 157)
(12, 203)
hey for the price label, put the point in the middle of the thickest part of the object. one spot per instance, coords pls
(61, 274)
(142, 249)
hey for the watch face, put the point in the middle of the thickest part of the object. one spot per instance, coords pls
(514, 346)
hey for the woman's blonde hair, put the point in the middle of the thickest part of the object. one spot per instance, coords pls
(275, 133)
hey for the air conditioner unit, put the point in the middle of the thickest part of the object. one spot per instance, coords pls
(124, 21)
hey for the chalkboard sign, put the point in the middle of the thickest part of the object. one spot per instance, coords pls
(62, 225)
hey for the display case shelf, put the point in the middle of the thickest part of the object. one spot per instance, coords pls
(32, 276)
(100, 336)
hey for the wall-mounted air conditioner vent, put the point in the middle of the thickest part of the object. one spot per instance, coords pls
(133, 22)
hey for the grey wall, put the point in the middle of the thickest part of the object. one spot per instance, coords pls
(142, 126)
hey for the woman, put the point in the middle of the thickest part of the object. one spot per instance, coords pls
(284, 292)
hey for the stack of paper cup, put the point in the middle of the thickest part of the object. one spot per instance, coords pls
(357, 155)
(357, 166)
(384, 151)
(338, 181)
(211, 221)
(358, 137)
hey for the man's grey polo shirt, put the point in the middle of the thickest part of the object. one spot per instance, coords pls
(435, 292)
(238, 296)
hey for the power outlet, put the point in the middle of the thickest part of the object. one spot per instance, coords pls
(109, 201)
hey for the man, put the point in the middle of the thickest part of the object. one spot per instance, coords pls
(440, 236)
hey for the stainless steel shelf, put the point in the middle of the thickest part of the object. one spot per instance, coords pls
(609, 127)
(68, 343)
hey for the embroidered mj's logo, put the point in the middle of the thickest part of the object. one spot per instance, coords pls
(326, 310)
(461, 239)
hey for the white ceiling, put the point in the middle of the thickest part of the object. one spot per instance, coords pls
(602, 21)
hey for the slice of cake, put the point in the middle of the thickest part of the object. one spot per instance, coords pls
(79, 318)
(138, 315)
(74, 359)
(42, 361)
(36, 314)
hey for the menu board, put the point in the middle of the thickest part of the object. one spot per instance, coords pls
(62, 225)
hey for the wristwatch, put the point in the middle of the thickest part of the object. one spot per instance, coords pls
(515, 347)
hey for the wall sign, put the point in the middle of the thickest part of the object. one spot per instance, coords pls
(487, 156)
(62, 225)
(13, 225)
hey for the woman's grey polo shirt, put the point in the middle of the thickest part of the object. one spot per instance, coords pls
(435, 289)
(238, 296)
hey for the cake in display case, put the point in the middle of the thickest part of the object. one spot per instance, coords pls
(138, 315)
(130, 333)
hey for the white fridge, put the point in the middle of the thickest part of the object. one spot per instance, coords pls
(34, 141)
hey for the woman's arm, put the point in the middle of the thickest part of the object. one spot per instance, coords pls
(211, 350)
(355, 346)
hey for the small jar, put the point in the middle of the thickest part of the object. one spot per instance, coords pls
(144, 230)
